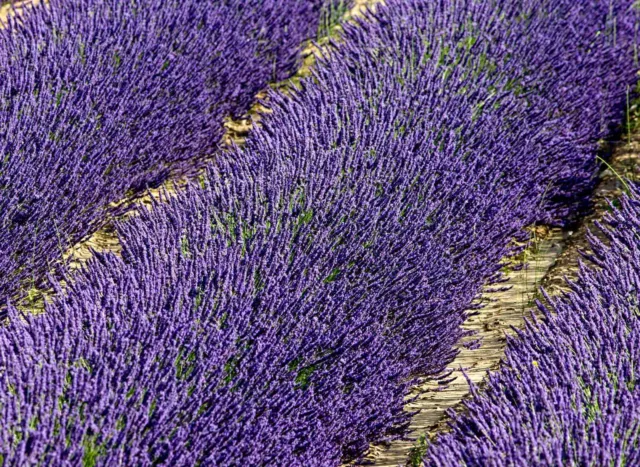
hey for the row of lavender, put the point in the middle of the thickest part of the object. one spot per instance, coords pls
(278, 311)
(101, 98)
(568, 391)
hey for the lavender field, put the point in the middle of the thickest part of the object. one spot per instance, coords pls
(280, 298)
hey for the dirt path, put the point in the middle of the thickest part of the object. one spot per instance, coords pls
(492, 323)
(7, 10)
(553, 257)
(625, 164)
(106, 239)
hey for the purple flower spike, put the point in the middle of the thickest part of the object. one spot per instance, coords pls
(279, 311)
(100, 99)
(568, 392)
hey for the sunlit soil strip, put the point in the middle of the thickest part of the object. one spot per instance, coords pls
(237, 130)
(7, 9)
(552, 257)
(106, 239)
(503, 310)
(624, 165)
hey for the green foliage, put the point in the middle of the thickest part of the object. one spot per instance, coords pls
(418, 451)
(222, 321)
(231, 369)
(331, 16)
(184, 364)
(184, 247)
(91, 451)
(117, 60)
(258, 281)
(304, 375)
(333, 276)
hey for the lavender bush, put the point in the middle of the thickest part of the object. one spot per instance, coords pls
(567, 393)
(278, 310)
(102, 98)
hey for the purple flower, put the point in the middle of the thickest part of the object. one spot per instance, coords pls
(100, 99)
(567, 393)
(280, 313)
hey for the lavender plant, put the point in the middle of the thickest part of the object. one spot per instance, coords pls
(100, 99)
(567, 392)
(279, 310)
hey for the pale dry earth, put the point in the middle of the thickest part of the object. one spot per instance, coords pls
(105, 239)
(6, 8)
(624, 165)
(552, 258)
(236, 133)
(552, 255)
(492, 323)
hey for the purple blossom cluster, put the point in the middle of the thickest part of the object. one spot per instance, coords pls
(567, 393)
(102, 98)
(279, 309)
